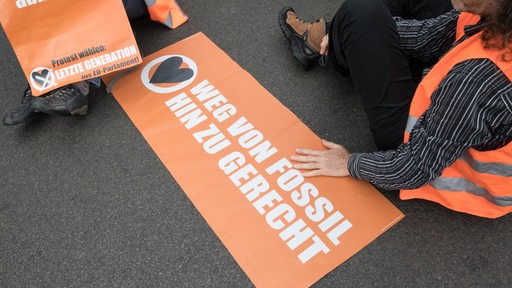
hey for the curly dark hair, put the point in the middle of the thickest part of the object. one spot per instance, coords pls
(498, 32)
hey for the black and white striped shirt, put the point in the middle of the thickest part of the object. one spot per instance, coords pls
(472, 107)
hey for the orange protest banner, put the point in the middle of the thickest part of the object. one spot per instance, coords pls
(59, 42)
(227, 142)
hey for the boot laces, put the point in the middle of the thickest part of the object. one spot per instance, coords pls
(302, 21)
(60, 95)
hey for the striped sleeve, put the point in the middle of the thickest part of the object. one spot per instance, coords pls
(427, 39)
(467, 110)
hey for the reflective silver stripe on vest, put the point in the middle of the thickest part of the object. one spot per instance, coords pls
(493, 168)
(464, 185)
(411, 121)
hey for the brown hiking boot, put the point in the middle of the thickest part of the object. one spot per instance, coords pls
(304, 37)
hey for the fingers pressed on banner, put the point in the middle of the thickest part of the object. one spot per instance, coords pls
(307, 164)
(313, 173)
(332, 145)
(311, 152)
(330, 162)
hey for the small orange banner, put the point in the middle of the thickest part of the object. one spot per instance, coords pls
(58, 42)
(227, 142)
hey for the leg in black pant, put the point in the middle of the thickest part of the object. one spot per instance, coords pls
(363, 40)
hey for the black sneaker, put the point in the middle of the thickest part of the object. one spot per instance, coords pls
(67, 101)
(26, 111)
(304, 37)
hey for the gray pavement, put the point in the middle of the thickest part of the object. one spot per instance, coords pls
(85, 202)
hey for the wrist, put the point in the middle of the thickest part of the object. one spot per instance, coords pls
(353, 164)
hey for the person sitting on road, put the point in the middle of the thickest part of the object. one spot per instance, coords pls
(457, 148)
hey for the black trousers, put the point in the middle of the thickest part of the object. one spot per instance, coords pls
(364, 42)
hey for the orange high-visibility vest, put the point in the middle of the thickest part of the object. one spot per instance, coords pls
(167, 12)
(478, 183)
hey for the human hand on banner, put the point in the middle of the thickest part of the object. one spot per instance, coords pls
(330, 162)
